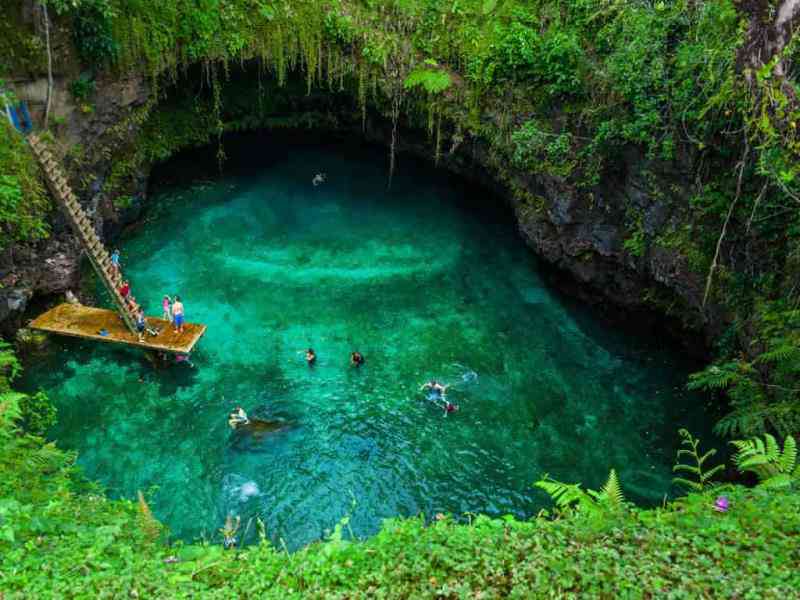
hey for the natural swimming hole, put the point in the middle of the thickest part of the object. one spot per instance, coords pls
(429, 281)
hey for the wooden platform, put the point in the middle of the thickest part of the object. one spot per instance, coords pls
(86, 322)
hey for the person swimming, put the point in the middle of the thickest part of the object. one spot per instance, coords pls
(449, 407)
(238, 417)
(319, 179)
(356, 358)
(311, 356)
(439, 390)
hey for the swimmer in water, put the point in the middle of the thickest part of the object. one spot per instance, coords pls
(229, 531)
(356, 359)
(449, 407)
(311, 357)
(437, 388)
(319, 178)
(237, 417)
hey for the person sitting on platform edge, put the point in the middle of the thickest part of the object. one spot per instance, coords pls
(141, 324)
(177, 315)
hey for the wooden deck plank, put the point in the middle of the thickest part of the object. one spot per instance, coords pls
(86, 322)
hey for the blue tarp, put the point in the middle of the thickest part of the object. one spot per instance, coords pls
(20, 117)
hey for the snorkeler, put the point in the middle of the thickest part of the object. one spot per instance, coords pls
(356, 358)
(237, 417)
(311, 357)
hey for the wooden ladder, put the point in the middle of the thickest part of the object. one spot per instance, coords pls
(80, 222)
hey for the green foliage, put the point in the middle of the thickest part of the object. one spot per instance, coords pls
(23, 201)
(82, 88)
(432, 80)
(10, 367)
(93, 32)
(762, 388)
(60, 537)
(569, 496)
(37, 414)
(775, 468)
(695, 464)
(540, 151)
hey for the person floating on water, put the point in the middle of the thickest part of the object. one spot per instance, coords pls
(439, 390)
(238, 417)
(438, 395)
(311, 356)
(356, 359)
(177, 315)
(319, 179)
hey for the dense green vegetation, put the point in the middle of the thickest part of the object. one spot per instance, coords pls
(558, 89)
(60, 537)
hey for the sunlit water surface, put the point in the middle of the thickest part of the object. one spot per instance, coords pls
(428, 281)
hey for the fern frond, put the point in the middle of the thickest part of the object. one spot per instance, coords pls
(688, 468)
(715, 377)
(565, 495)
(706, 456)
(709, 474)
(612, 491)
(689, 484)
(783, 353)
(777, 481)
(788, 459)
(433, 81)
(772, 449)
(149, 523)
(773, 466)
(695, 469)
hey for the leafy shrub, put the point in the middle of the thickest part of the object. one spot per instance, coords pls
(537, 150)
(93, 33)
(774, 467)
(37, 413)
(432, 80)
(23, 201)
(82, 88)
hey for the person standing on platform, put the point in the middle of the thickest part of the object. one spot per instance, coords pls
(166, 305)
(177, 315)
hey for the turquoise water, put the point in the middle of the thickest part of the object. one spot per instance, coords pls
(428, 281)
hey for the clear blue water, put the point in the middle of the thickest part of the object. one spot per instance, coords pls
(428, 281)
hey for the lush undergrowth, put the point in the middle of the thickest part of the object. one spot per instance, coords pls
(61, 538)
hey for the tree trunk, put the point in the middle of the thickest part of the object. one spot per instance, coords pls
(46, 20)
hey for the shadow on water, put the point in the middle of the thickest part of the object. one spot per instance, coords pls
(429, 281)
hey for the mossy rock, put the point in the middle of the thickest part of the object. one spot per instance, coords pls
(29, 340)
